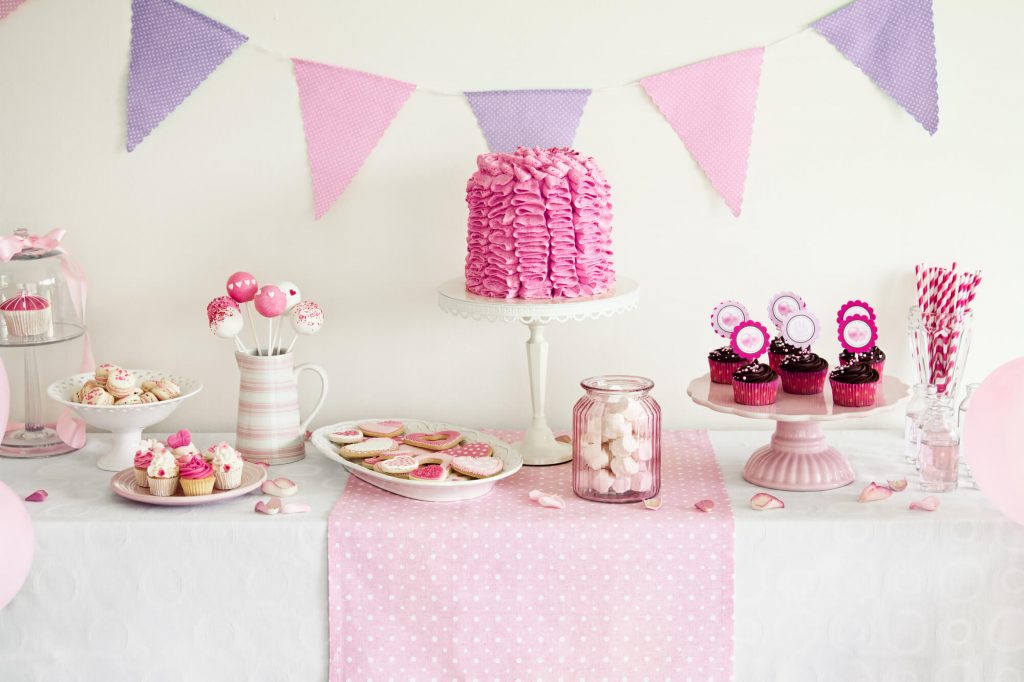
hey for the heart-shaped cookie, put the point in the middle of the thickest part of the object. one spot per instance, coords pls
(478, 467)
(440, 440)
(403, 464)
(429, 472)
(389, 428)
(345, 437)
(475, 449)
(368, 448)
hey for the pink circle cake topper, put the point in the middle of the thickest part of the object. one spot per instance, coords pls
(855, 307)
(857, 334)
(750, 339)
(800, 328)
(726, 316)
(782, 304)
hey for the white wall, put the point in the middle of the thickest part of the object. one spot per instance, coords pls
(845, 191)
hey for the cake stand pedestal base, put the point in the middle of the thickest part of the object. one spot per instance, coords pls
(38, 441)
(798, 458)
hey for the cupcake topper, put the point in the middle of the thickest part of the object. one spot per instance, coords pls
(782, 304)
(750, 339)
(857, 333)
(800, 328)
(726, 316)
(855, 308)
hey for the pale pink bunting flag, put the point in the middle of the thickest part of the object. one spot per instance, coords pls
(344, 114)
(711, 107)
(8, 6)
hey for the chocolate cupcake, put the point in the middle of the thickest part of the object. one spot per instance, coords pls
(755, 384)
(779, 349)
(854, 385)
(874, 357)
(723, 362)
(803, 373)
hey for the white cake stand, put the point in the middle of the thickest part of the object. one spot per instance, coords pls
(798, 456)
(538, 446)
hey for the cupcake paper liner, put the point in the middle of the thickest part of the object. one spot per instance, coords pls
(774, 359)
(197, 486)
(721, 372)
(803, 383)
(27, 322)
(141, 478)
(163, 487)
(227, 480)
(853, 395)
(755, 394)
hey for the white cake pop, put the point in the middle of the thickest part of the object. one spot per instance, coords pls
(292, 295)
(307, 318)
(227, 323)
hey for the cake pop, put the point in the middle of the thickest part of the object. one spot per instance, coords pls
(307, 318)
(242, 287)
(227, 323)
(214, 306)
(292, 297)
(270, 302)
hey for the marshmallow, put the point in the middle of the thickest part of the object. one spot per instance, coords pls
(623, 447)
(601, 481)
(614, 426)
(645, 452)
(595, 456)
(617, 405)
(624, 466)
(621, 484)
(641, 481)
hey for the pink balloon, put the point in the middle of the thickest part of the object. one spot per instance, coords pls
(242, 287)
(270, 301)
(16, 544)
(991, 438)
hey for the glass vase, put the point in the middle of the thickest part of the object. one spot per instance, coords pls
(939, 344)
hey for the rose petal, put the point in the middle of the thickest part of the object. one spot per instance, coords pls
(564, 439)
(295, 508)
(705, 505)
(763, 501)
(873, 493)
(270, 507)
(536, 494)
(927, 504)
(37, 496)
(898, 486)
(653, 503)
(553, 501)
(279, 487)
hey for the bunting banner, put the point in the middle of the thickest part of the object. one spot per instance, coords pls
(344, 114)
(711, 107)
(174, 49)
(8, 6)
(528, 118)
(893, 42)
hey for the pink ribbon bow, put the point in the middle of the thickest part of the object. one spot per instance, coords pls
(13, 244)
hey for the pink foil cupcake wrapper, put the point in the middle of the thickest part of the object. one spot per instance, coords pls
(853, 395)
(774, 359)
(142, 478)
(755, 394)
(803, 383)
(721, 372)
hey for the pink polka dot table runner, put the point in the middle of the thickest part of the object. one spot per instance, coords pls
(502, 588)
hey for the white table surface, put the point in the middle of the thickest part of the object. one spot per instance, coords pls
(827, 589)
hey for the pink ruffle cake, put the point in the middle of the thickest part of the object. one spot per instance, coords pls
(540, 223)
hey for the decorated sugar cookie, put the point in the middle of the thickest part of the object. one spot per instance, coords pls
(397, 466)
(345, 437)
(389, 428)
(441, 440)
(368, 448)
(429, 472)
(475, 449)
(478, 467)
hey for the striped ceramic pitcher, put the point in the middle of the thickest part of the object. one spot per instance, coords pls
(269, 428)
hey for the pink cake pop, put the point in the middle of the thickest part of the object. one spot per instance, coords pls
(270, 301)
(242, 287)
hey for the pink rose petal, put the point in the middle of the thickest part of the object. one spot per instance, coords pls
(873, 493)
(270, 507)
(764, 501)
(898, 486)
(295, 508)
(279, 487)
(927, 504)
(705, 505)
(37, 496)
(653, 503)
(536, 494)
(553, 501)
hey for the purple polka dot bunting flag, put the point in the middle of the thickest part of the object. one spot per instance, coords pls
(174, 49)
(893, 42)
(8, 6)
(528, 118)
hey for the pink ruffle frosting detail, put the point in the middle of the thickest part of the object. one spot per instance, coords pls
(539, 226)
(25, 302)
(195, 468)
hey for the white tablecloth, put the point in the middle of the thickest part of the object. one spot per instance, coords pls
(827, 589)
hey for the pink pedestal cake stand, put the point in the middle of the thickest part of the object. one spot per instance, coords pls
(538, 447)
(798, 456)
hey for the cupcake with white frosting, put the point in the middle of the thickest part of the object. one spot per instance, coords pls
(163, 472)
(227, 466)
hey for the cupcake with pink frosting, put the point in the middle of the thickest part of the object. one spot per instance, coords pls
(196, 477)
(162, 472)
(26, 315)
(227, 466)
(143, 458)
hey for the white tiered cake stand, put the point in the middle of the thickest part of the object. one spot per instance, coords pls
(798, 456)
(538, 446)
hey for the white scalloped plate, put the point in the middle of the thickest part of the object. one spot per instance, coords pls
(451, 490)
(123, 483)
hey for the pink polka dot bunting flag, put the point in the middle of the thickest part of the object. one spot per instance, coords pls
(344, 114)
(528, 118)
(8, 6)
(711, 107)
(174, 49)
(893, 42)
